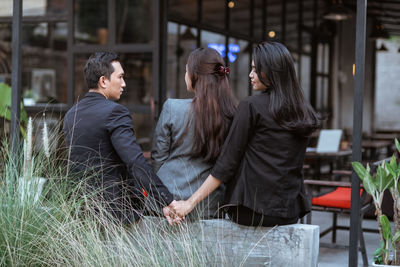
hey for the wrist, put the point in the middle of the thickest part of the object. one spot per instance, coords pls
(192, 203)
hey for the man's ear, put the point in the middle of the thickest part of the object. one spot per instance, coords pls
(102, 82)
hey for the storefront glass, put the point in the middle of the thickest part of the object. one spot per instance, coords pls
(134, 21)
(90, 21)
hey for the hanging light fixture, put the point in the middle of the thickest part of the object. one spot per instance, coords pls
(337, 11)
(379, 31)
(383, 48)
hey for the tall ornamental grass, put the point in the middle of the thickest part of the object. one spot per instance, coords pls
(61, 227)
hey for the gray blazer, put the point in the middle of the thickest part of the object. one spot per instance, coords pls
(181, 174)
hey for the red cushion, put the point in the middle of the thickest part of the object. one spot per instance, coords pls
(339, 198)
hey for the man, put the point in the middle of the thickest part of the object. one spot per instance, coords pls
(102, 144)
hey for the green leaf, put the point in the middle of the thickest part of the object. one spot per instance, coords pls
(359, 169)
(365, 176)
(5, 106)
(396, 236)
(397, 144)
(386, 229)
(391, 170)
(383, 179)
(378, 255)
(393, 163)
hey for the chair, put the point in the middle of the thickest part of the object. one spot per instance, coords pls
(338, 201)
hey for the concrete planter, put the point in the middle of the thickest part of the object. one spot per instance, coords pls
(229, 244)
(384, 265)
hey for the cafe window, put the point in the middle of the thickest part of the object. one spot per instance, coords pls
(44, 46)
(80, 87)
(181, 42)
(134, 21)
(239, 64)
(90, 17)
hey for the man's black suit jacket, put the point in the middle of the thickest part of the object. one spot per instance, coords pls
(100, 136)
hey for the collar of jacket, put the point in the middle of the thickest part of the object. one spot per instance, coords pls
(94, 94)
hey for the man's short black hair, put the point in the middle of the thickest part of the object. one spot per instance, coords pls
(99, 64)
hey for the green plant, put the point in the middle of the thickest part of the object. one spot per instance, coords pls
(67, 226)
(29, 94)
(5, 106)
(387, 177)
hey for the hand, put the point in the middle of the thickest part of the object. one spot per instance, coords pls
(182, 207)
(170, 215)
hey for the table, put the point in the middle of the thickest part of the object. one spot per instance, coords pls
(372, 147)
(333, 158)
(384, 136)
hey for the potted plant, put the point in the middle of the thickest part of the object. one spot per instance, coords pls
(29, 98)
(386, 177)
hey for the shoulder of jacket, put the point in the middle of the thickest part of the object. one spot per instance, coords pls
(114, 107)
(177, 104)
(177, 101)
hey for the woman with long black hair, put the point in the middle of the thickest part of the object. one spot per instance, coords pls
(262, 158)
(190, 132)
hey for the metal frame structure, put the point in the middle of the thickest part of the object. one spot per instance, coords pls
(357, 128)
(16, 73)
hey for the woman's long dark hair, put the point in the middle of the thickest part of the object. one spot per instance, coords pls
(213, 106)
(275, 69)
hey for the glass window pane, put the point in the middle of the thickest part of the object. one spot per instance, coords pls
(143, 124)
(6, 8)
(239, 66)
(138, 78)
(174, 53)
(91, 21)
(45, 35)
(183, 9)
(35, 7)
(214, 39)
(80, 87)
(134, 21)
(58, 7)
(187, 43)
(181, 42)
(305, 75)
(5, 53)
(44, 62)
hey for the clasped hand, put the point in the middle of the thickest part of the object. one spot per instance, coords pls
(176, 211)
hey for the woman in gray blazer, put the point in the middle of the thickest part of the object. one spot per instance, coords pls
(190, 132)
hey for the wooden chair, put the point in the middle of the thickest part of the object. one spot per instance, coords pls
(339, 201)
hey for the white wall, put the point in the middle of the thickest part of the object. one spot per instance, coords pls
(345, 87)
(387, 100)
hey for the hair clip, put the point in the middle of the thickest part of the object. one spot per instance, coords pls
(223, 70)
